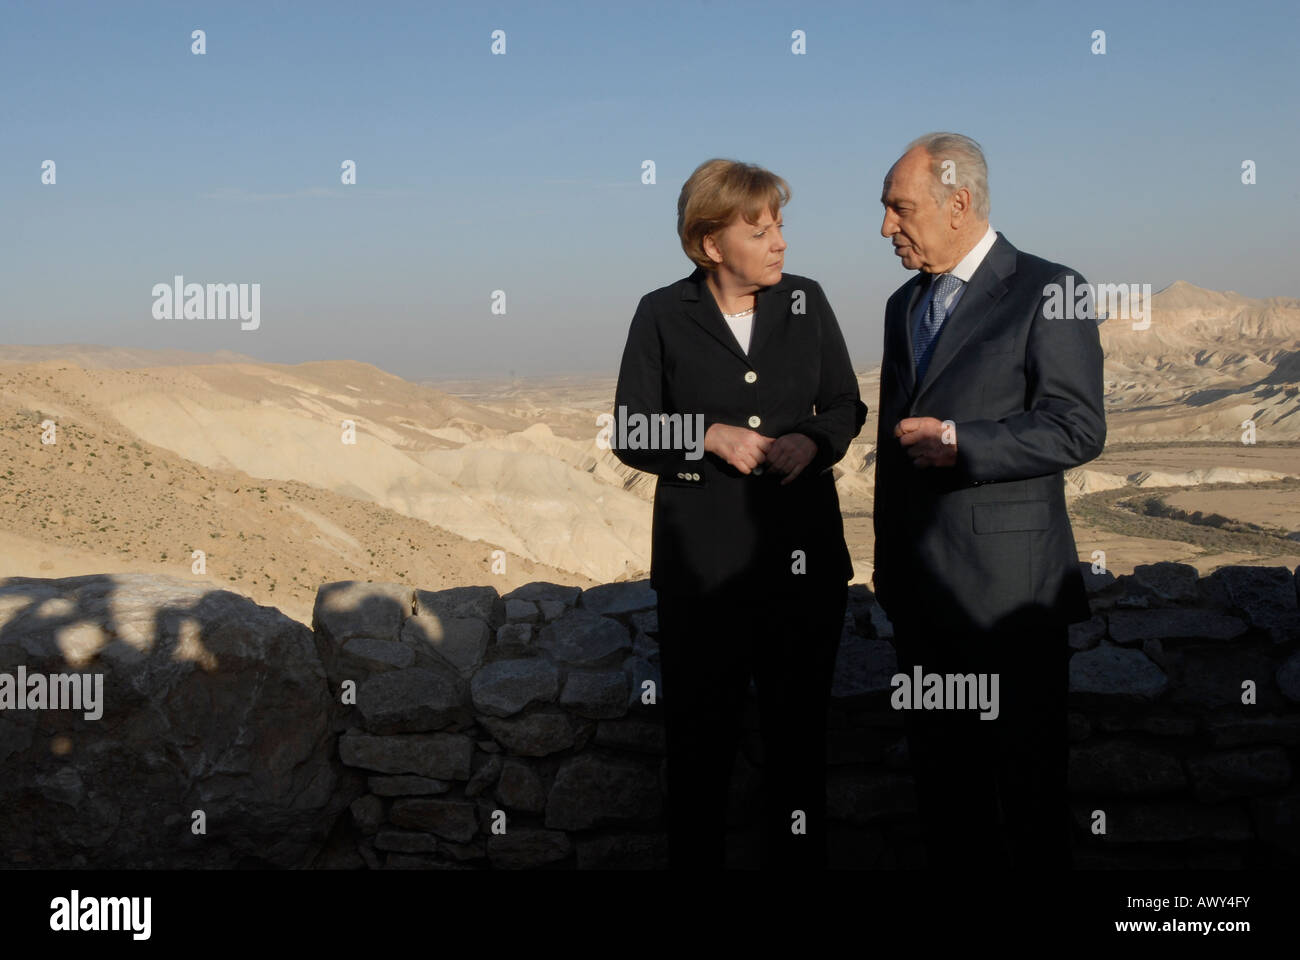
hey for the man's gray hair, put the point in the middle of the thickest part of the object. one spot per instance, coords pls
(968, 168)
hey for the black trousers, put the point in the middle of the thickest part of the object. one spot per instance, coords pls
(709, 647)
(993, 793)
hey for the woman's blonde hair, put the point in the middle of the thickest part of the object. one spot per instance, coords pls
(715, 193)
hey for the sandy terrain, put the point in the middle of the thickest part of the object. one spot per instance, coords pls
(161, 453)
(1274, 509)
(100, 500)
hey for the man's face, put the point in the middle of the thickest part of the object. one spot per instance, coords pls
(919, 228)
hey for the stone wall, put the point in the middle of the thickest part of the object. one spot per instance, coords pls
(459, 729)
(1185, 773)
(472, 709)
(215, 746)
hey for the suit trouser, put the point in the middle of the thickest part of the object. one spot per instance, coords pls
(993, 792)
(709, 646)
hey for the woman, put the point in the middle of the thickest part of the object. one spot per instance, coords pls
(747, 549)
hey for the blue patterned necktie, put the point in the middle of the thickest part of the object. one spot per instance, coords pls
(932, 323)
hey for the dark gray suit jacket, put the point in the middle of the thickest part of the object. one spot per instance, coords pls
(713, 526)
(987, 544)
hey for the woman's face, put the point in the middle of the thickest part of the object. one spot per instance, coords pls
(753, 253)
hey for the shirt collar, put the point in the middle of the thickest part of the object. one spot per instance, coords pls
(966, 267)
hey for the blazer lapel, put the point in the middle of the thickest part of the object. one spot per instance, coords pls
(771, 305)
(986, 288)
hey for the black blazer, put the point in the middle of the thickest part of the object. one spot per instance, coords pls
(713, 526)
(987, 543)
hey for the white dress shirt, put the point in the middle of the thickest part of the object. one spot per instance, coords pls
(742, 327)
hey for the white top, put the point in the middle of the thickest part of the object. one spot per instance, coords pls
(742, 326)
(964, 270)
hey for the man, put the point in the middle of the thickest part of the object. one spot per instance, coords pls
(986, 397)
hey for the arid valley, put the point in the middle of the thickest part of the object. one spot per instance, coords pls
(240, 473)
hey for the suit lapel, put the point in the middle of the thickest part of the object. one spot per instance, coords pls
(987, 286)
(771, 306)
(899, 334)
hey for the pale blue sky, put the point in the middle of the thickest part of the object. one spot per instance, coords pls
(522, 172)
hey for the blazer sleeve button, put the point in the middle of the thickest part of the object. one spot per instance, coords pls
(755, 420)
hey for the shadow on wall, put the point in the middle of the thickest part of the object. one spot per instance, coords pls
(209, 744)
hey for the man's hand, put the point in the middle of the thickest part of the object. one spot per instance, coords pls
(741, 447)
(790, 453)
(929, 442)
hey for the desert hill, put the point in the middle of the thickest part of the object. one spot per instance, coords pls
(93, 356)
(1208, 361)
(151, 464)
